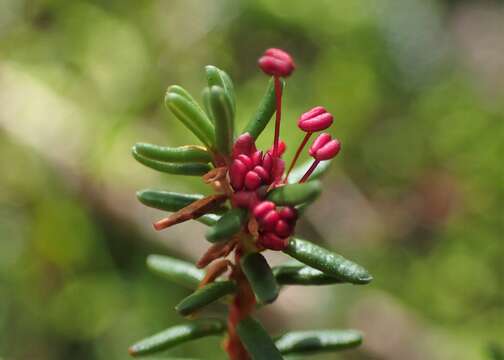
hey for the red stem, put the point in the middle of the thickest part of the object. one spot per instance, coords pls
(309, 171)
(298, 152)
(278, 96)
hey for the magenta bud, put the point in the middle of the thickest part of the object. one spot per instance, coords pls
(276, 62)
(263, 208)
(267, 162)
(288, 214)
(317, 119)
(282, 229)
(263, 174)
(257, 158)
(278, 169)
(252, 180)
(273, 242)
(246, 160)
(269, 221)
(237, 172)
(244, 144)
(325, 148)
(281, 148)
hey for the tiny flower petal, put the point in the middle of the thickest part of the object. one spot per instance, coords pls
(276, 62)
(244, 144)
(288, 213)
(237, 172)
(282, 229)
(252, 180)
(317, 119)
(263, 208)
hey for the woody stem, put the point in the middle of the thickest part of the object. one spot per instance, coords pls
(309, 171)
(298, 152)
(278, 96)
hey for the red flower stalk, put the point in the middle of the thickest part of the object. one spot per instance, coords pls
(317, 119)
(277, 63)
(323, 148)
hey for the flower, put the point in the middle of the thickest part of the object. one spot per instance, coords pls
(276, 62)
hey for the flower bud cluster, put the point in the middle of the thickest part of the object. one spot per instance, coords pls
(276, 224)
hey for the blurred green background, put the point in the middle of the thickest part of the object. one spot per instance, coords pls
(417, 89)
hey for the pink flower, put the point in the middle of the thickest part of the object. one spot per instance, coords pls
(317, 119)
(324, 147)
(276, 62)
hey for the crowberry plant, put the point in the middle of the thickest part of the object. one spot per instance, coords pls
(254, 207)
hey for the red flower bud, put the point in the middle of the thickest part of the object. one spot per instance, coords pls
(325, 148)
(282, 228)
(263, 208)
(237, 172)
(288, 213)
(317, 119)
(273, 242)
(244, 144)
(252, 180)
(276, 62)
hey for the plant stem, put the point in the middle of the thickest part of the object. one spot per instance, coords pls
(278, 114)
(242, 305)
(298, 152)
(309, 171)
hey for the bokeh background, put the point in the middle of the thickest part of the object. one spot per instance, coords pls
(417, 89)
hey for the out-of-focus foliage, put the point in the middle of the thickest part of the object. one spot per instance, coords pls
(417, 92)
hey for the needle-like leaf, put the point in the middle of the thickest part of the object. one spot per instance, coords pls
(190, 114)
(229, 224)
(177, 271)
(256, 340)
(181, 154)
(218, 77)
(302, 275)
(326, 261)
(177, 335)
(222, 114)
(295, 194)
(307, 342)
(265, 111)
(192, 169)
(204, 296)
(260, 277)
(171, 201)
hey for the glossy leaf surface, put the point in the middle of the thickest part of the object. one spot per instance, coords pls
(177, 271)
(188, 153)
(229, 224)
(222, 114)
(176, 335)
(327, 261)
(304, 342)
(295, 194)
(260, 277)
(302, 275)
(256, 340)
(204, 296)
(192, 169)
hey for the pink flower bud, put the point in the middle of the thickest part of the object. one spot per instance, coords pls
(281, 148)
(257, 158)
(317, 119)
(325, 148)
(263, 174)
(282, 229)
(269, 221)
(273, 242)
(252, 180)
(237, 172)
(246, 160)
(263, 208)
(244, 144)
(276, 62)
(288, 213)
(245, 199)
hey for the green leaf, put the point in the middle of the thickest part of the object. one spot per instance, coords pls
(206, 103)
(204, 296)
(295, 194)
(191, 169)
(260, 277)
(209, 219)
(172, 201)
(298, 172)
(302, 275)
(189, 153)
(223, 118)
(176, 335)
(265, 111)
(256, 340)
(218, 77)
(177, 271)
(229, 224)
(305, 342)
(191, 115)
(326, 261)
